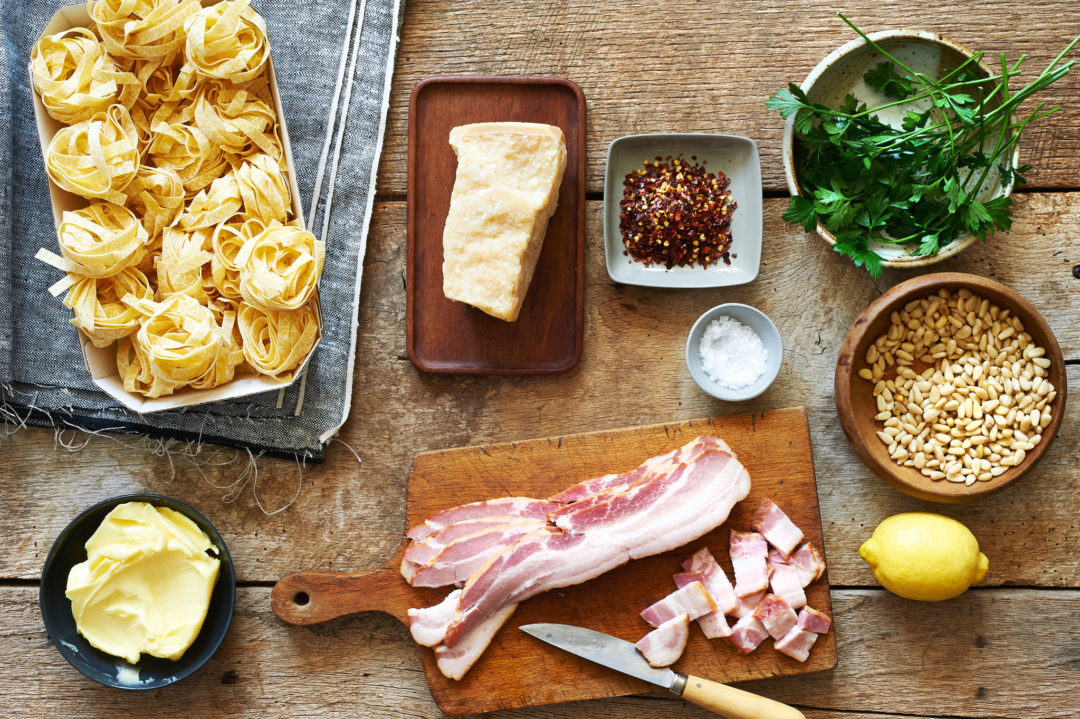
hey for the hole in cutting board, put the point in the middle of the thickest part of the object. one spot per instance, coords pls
(301, 598)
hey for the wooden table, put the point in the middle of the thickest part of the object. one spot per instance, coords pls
(1009, 648)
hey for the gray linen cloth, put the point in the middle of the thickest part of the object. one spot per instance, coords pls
(334, 61)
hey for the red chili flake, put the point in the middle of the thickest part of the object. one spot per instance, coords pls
(674, 212)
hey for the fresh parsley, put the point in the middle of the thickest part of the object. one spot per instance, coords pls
(918, 184)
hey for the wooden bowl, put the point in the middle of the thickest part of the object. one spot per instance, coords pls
(856, 405)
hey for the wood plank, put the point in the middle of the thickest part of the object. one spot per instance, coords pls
(350, 516)
(1005, 654)
(713, 68)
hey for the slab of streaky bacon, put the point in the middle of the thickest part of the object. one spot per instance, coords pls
(692, 599)
(458, 560)
(775, 615)
(748, 558)
(716, 581)
(747, 605)
(664, 645)
(454, 663)
(808, 562)
(801, 637)
(675, 505)
(785, 582)
(776, 527)
(503, 507)
(747, 634)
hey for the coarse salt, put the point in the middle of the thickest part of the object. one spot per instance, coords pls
(732, 354)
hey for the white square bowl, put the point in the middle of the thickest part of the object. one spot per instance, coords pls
(736, 157)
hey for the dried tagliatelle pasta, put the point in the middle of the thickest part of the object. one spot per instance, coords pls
(227, 240)
(98, 309)
(96, 158)
(76, 79)
(263, 187)
(237, 118)
(179, 336)
(184, 255)
(214, 206)
(223, 369)
(133, 365)
(142, 29)
(189, 153)
(157, 198)
(227, 41)
(98, 241)
(280, 267)
(277, 341)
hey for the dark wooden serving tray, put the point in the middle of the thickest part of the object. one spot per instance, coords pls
(453, 337)
(518, 670)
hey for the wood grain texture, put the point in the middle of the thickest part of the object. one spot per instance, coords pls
(993, 654)
(672, 66)
(452, 337)
(350, 516)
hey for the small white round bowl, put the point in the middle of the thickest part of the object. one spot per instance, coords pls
(765, 329)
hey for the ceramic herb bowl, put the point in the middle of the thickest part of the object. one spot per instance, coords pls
(841, 73)
(150, 672)
(765, 329)
(737, 157)
(856, 404)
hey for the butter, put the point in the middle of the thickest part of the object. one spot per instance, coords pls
(146, 583)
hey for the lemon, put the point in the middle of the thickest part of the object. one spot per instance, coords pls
(924, 556)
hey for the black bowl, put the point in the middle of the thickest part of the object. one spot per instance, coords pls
(151, 672)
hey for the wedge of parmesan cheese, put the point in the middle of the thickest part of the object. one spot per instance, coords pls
(505, 191)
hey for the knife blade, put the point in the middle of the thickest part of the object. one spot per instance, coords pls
(622, 656)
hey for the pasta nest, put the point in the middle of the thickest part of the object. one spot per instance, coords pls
(213, 206)
(142, 29)
(157, 196)
(227, 240)
(76, 78)
(181, 340)
(101, 240)
(237, 118)
(264, 188)
(280, 267)
(277, 341)
(181, 264)
(188, 152)
(99, 310)
(96, 158)
(227, 41)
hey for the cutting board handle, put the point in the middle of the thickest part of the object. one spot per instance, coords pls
(318, 596)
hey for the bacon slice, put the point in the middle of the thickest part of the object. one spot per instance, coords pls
(747, 634)
(428, 625)
(797, 643)
(748, 604)
(657, 516)
(692, 600)
(776, 526)
(785, 582)
(809, 563)
(454, 663)
(748, 554)
(503, 507)
(814, 621)
(716, 580)
(664, 645)
(457, 561)
(775, 615)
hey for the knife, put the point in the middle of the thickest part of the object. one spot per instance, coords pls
(624, 657)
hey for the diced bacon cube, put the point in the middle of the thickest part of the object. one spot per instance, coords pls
(776, 526)
(747, 634)
(808, 561)
(812, 620)
(692, 599)
(775, 615)
(797, 643)
(664, 645)
(748, 558)
(714, 625)
(747, 605)
(784, 580)
(715, 580)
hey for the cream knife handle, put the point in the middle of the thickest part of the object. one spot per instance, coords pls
(735, 703)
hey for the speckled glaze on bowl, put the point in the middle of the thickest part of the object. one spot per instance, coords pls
(151, 672)
(752, 318)
(840, 74)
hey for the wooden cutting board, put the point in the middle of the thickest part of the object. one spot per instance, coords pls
(518, 670)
